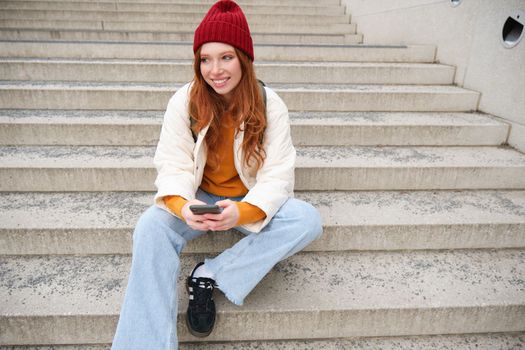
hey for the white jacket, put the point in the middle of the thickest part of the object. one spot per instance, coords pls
(180, 161)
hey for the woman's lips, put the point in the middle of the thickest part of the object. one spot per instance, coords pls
(219, 83)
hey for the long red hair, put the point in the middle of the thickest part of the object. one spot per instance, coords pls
(246, 107)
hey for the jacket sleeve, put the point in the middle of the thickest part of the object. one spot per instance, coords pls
(174, 154)
(275, 179)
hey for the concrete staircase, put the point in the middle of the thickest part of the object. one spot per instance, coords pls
(422, 201)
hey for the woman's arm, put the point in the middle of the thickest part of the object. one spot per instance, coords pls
(174, 154)
(275, 179)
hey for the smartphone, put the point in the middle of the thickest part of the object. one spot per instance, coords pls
(200, 209)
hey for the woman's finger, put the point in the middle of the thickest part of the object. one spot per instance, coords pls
(220, 226)
(198, 225)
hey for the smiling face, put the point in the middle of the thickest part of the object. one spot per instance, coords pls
(220, 67)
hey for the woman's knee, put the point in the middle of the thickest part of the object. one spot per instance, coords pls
(153, 228)
(313, 221)
(308, 218)
(148, 221)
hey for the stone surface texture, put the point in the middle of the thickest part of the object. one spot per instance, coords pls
(422, 196)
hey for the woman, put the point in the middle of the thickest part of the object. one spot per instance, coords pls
(236, 153)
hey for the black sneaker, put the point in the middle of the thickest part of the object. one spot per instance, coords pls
(200, 317)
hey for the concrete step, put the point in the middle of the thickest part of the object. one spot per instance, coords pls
(298, 97)
(260, 8)
(174, 51)
(113, 128)
(76, 222)
(106, 35)
(487, 341)
(190, 17)
(86, 24)
(182, 71)
(97, 168)
(365, 294)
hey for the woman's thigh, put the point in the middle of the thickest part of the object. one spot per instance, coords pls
(294, 215)
(156, 218)
(156, 221)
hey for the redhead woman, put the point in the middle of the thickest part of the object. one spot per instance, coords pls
(224, 142)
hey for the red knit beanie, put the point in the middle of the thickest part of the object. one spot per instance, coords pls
(225, 23)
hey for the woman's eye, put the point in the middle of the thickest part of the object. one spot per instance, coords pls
(228, 58)
(204, 59)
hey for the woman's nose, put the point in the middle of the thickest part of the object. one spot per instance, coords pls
(216, 68)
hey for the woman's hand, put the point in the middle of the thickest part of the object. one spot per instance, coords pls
(196, 222)
(225, 220)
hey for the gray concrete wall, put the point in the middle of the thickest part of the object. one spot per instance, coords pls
(467, 36)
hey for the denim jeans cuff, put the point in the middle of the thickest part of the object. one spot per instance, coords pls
(225, 289)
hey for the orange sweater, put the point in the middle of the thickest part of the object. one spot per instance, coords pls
(223, 181)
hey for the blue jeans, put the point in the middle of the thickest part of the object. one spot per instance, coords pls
(148, 318)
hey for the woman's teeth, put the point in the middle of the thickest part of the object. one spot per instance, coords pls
(220, 81)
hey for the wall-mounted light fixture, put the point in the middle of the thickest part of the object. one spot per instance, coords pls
(512, 31)
(455, 3)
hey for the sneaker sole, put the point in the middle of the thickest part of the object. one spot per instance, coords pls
(197, 334)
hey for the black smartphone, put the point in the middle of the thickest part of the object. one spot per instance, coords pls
(199, 209)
